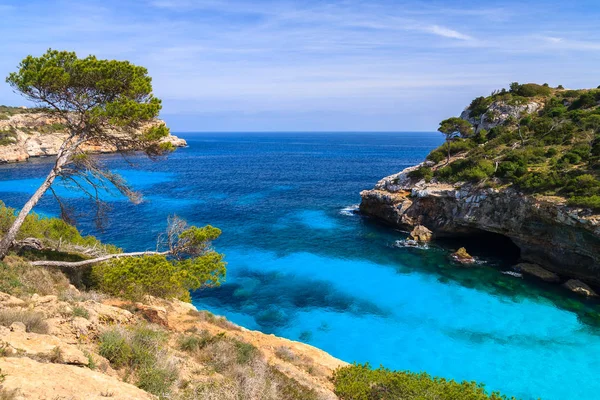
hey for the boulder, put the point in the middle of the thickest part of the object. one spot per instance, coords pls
(537, 271)
(462, 256)
(42, 346)
(421, 234)
(59, 381)
(154, 314)
(576, 286)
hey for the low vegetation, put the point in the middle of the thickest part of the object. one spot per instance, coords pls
(553, 151)
(33, 321)
(361, 382)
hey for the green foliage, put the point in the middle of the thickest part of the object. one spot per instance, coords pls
(117, 92)
(592, 202)
(456, 146)
(530, 89)
(555, 151)
(466, 170)
(421, 173)
(133, 278)
(140, 349)
(49, 230)
(361, 382)
(479, 106)
(81, 312)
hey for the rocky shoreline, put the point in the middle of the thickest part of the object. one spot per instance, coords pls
(561, 239)
(29, 134)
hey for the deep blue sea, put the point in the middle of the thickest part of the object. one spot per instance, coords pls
(302, 265)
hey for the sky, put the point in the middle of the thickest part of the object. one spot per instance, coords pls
(311, 65)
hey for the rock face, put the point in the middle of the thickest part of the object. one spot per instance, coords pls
(498, 112)
(421, 234)
(561, 239)
(35, 135)
(579, 287)
(537, 271)
(462, 256)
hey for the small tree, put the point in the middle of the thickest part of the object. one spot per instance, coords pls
(452, 128)
(98, 101)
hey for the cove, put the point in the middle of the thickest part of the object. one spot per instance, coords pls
(302, 265)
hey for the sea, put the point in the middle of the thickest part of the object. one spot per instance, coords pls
(303, 264)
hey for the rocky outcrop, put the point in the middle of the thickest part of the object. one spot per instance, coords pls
(62, 360)
(35, 135)
(499, 112)
(421, 234)
(576, 286)
(461, 256)
(562, 239)
(537, 272)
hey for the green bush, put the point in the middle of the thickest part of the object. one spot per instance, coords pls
(421, 173)
(140, 348)
(592, 202)
(466, 170)
(133, 278)
(361, 382)
(80, 312)
(49, 230)
(530, 89)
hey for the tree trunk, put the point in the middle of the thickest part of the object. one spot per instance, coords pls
(75, 264)
(448, 146)
(9, 237)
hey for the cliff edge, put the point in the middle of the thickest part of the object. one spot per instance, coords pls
(26, 133)
(524, 167)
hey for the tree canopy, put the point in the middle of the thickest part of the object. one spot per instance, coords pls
(102, 102)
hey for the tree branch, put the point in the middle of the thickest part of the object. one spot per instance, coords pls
(76, 264)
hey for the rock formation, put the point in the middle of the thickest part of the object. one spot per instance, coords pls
(31, 134)
(562, 239)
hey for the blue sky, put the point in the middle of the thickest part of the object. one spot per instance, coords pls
(316, 65)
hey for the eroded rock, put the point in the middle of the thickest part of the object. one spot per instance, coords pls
(37, 380)
(421, 234)
(462, 256)
(576, 286)
(537, 271)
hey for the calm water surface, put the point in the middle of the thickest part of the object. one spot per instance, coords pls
(303, 266)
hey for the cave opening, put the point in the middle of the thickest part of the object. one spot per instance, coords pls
(484, 244)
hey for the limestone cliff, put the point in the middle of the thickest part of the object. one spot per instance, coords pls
(527, 169)
(562, 239)
(30, 134)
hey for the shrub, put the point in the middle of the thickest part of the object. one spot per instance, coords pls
(115, 348)
(530, 89)
(141, 349)
(80, 312)
(133, 278)
(361, 382)
(591, 202)
(33, 321)
(18, 278)
(479, 106)
(421, 173)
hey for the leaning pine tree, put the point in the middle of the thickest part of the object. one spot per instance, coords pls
(105, 102)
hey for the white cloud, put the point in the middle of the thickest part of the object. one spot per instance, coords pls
(447, 32)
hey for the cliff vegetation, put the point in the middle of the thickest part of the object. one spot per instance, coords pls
(537, 139)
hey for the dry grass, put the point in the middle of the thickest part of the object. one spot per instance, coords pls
(246, 374)
(214, 319)
(18, 278)
(34, 322)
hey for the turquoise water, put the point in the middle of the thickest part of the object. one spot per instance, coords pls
(302, 265)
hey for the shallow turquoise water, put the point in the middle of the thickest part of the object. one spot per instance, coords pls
(303, 266)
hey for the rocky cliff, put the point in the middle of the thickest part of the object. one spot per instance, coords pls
(54, 339)
(512, 175)
(562, 239)
(29, 134)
